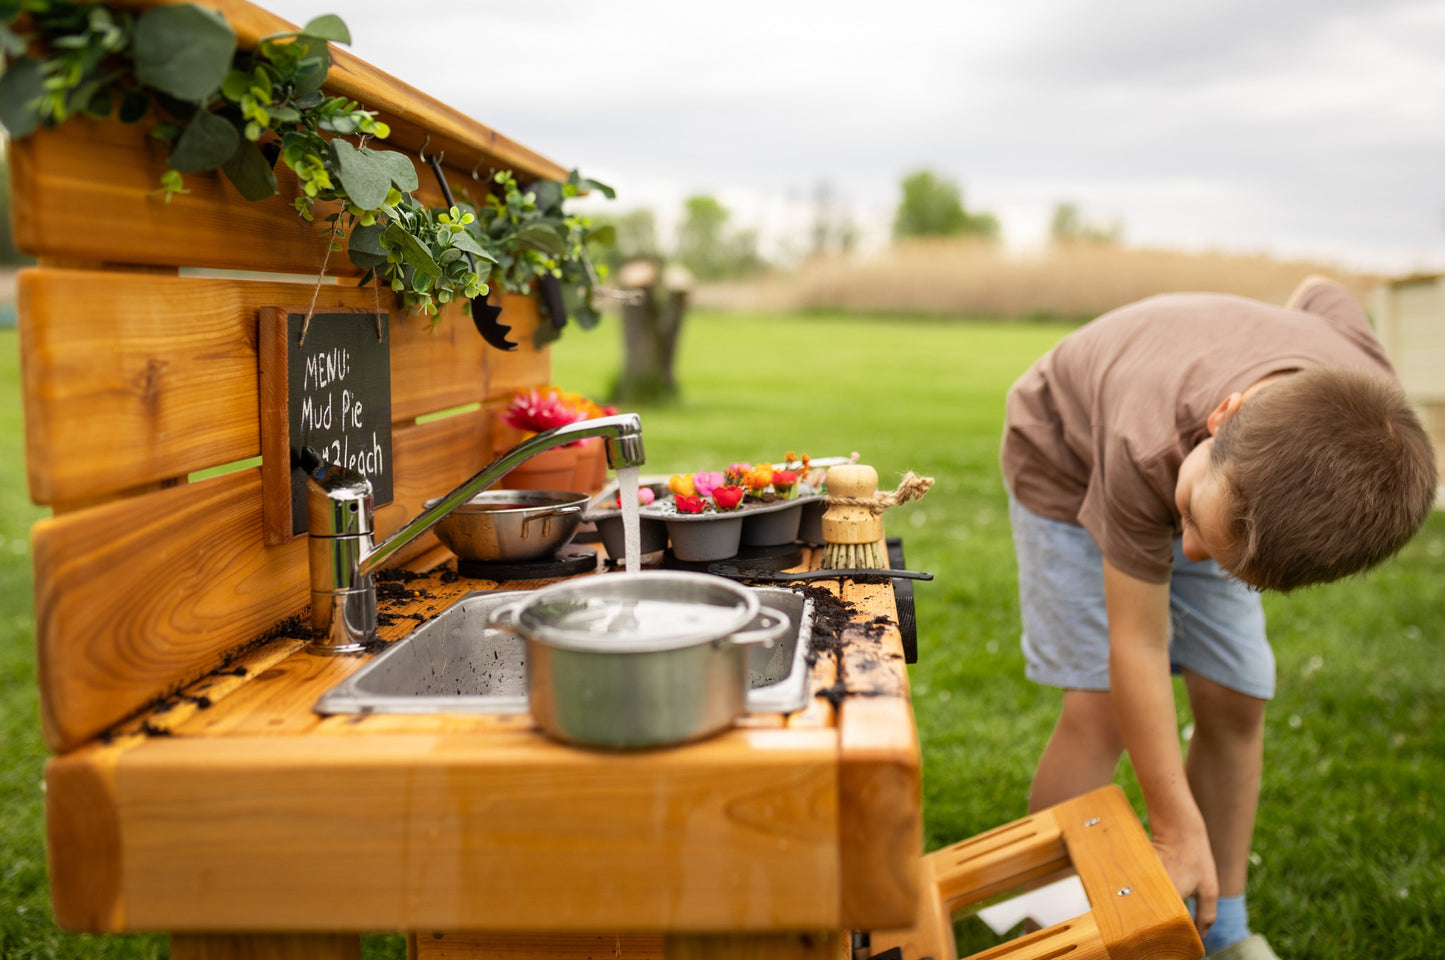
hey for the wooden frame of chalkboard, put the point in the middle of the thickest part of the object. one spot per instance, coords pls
(333, 393)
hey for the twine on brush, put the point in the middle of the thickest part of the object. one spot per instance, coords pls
(911, 487)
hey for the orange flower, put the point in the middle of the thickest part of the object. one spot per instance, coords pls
(759, 477)
(681, 484)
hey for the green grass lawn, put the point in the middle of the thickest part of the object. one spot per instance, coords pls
(1349, 840)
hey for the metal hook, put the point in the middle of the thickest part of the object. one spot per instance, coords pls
(424, 144)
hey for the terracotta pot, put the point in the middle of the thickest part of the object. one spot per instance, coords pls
(591, 472)
(553, 469)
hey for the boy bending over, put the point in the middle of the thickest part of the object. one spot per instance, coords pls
(1164, 463)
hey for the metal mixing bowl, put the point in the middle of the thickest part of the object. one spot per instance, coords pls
(511, 525)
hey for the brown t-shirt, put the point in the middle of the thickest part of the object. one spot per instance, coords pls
(1096, 429)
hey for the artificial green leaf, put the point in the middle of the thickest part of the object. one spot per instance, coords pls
(365, 179)
(398, 166)
(207, 142)
(416, 255)
(183, 50)
(328, 26)
(365, 249)
(20, 88)
(283, 114)
(605, 235)
(248, 170)
(10, 44)
(599, 186)
(311, 74)
(134, 106)
(236, 85)
(542, 239)
(548, 194)
(99, 104)
(343, 123)
(465, 241)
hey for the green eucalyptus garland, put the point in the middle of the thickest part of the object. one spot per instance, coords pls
(242, 112)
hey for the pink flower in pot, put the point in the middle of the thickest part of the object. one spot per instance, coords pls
(706, 482)
(537, 410)
(644, 497)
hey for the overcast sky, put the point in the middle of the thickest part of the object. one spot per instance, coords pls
(1311, 128)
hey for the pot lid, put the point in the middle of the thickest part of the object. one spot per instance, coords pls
(637, 613)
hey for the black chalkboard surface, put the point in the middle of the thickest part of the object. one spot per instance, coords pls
(331, 392)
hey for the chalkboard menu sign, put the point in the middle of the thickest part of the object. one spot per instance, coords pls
(329, 390)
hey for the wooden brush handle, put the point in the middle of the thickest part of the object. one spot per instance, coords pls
(843, 523)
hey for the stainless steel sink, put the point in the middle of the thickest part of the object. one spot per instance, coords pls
(457, 663)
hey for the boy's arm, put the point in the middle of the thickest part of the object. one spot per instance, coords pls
(1144, 702)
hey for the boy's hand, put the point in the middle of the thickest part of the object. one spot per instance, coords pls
(1190, 864)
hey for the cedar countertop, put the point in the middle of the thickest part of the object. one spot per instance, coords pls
(233, 806)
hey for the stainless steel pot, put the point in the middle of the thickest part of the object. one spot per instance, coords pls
(511, 525)
(639, 660)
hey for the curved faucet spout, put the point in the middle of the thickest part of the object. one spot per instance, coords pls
(342, 557)
(623, 433)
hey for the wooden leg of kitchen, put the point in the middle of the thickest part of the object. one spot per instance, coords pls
(265, 946)
(823, 945)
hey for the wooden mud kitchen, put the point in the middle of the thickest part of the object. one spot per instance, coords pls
(195, 789)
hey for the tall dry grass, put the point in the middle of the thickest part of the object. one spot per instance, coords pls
(949, 277)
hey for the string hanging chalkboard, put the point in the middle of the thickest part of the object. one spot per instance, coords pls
(331, 392)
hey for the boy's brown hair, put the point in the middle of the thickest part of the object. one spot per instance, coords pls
(1328, 471)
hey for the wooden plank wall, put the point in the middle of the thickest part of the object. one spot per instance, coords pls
(136, 377)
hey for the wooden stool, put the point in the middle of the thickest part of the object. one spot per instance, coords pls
(1135, 913)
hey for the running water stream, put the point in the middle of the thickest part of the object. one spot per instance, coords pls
(631, 517)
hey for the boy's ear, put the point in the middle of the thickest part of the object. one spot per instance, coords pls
(1223, 412)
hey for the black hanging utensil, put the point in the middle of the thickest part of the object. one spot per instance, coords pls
(484, 315)
(551, 290)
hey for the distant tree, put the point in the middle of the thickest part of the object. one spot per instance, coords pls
(1068, 226)
(933, 207)
(708, 249)
(634, 236)
(700, 237)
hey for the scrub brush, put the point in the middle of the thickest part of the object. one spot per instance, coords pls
(853, 523)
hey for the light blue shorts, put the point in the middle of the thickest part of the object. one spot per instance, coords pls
(1217, 622)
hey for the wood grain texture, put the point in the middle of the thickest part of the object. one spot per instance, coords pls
(83, 842)
(136, 597)
(132, 378)
(880, 810)
(107, 174)
(506, 831)
(1134, 911)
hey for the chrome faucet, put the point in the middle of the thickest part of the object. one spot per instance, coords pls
(339, 526)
